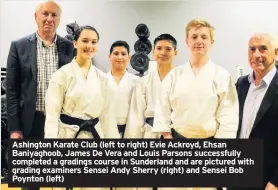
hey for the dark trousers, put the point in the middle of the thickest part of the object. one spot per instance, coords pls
(121, 129)
(37, 132)
(176, 135)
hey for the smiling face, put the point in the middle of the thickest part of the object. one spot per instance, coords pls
(261, 54)
(119, 58)
(86, 44)
(199, 41)
(164, 52)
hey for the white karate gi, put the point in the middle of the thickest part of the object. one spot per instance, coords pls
(123, 92)
(71, 94)
(198, 107)
(122, 97)
(142, 106)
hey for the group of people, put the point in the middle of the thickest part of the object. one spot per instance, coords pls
(53, 94)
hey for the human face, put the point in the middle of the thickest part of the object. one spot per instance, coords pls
(261, 54)
(119, 58)
(199, 41)
(48, 18)
(164, 52)
(86, 44)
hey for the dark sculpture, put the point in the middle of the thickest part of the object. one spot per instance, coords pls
(142, 31)
(71, 28)
(142, 45)
(140, 60)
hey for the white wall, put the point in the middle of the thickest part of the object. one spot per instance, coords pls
(115, 20)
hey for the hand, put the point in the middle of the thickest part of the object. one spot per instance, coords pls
(16, 135)
(167, 135)
(270, 186)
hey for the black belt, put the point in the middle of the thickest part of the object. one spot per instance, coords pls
(121, 129)
(149, 120)
(177, 135)
(84, 125)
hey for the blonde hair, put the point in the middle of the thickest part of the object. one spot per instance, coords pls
(198, 24)
(38, 8)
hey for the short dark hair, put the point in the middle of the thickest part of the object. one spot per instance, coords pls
(168, 37)
(81, 28)
(119, 43)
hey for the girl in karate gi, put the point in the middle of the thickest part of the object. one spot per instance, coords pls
(140, 118)
(198, 99)
(121, 81)
(78, 98)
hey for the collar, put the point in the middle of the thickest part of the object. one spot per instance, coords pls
(266, 79)
(43, 43)
(110, 73)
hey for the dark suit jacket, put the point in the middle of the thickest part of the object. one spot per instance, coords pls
(265, 126)
(22, 80)
(276, 63)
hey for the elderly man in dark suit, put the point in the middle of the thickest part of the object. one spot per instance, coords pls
(31, 62)
(258, 101)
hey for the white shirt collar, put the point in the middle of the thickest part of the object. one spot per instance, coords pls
(266, 79)
(43, 43)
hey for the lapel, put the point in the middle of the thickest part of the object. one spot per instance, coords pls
(61, 51)
(268, 99)
(33, 54)
(242, 90)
